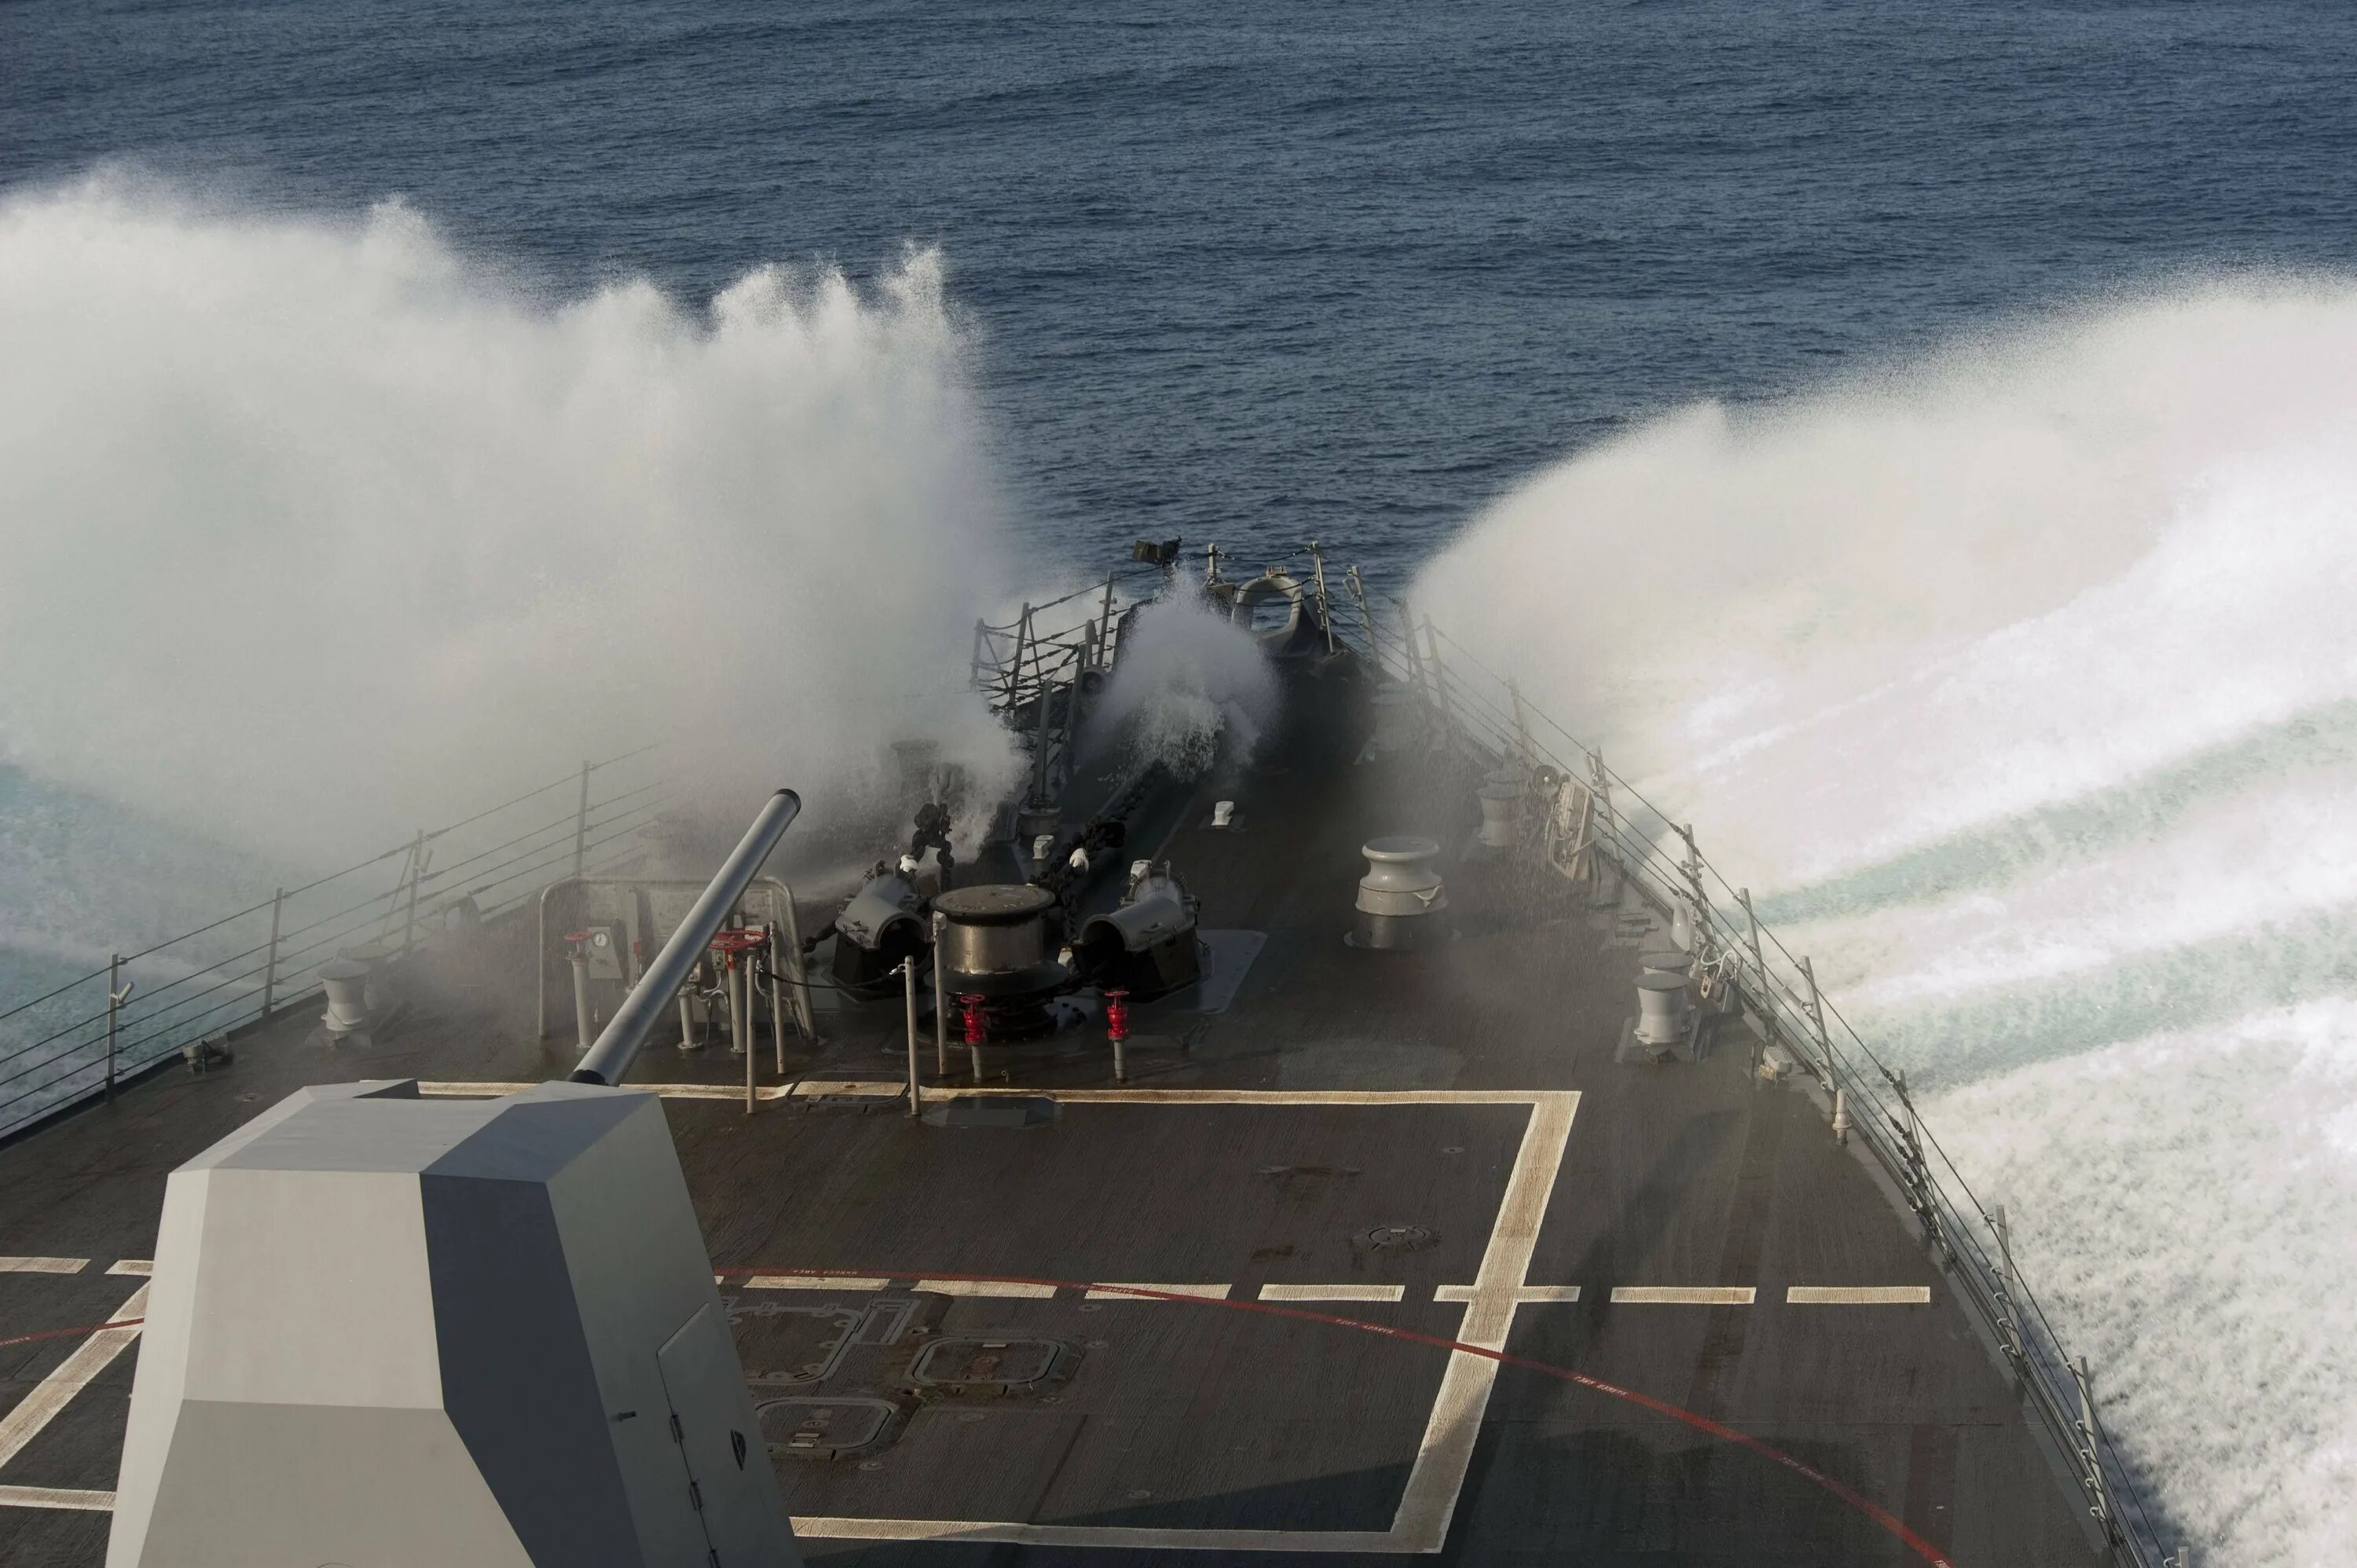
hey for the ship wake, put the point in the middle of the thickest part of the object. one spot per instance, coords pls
(2023, 681)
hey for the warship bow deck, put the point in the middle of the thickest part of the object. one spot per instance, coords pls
(1748, 1353)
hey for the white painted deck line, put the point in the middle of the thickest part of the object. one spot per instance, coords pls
(139, 1267)
(987, 1287)
(1332, 1292)
(73, 1374)
(1112, 1291)
(883, 1090)
(43, 1265)
(1446, 1453)
(1683, 1295)
(1429, 1499)
(1113, 1537)
(56, 1498)
(1529, 1296)
(1858, 1295)
(814, 1282)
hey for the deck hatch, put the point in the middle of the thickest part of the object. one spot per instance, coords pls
(990, 1365)
(812, 1428)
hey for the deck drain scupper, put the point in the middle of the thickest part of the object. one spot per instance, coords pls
(1394, 1238)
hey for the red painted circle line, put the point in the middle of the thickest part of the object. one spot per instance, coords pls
(1810, 1473)
(64, 1333)
(1862, 1504)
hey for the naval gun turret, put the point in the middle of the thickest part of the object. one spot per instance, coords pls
(385, 1328)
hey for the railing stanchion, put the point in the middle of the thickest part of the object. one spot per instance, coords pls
(115, 997)
(1366, 616)
(1693, 885)
(1324, 605)
(1607, 826)
(1440, 683)
(941, 1003)
(908, 983)
(1105, 626)
(2009, 1289)
(777, 1002)
(270, 966)
(418, 861)
(745, 1025)
(1524, 753)
(581, 822)
(1817, 1017)
(1759, 962)
(2091, 1460)
(1015, 668)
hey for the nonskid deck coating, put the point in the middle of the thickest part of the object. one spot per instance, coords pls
(1398, 1067)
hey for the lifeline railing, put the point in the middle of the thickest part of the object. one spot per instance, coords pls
(1051, 648)
(82, 1039)
(1483, 716)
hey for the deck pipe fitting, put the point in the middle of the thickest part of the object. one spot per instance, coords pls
(1402, 903)
(1668, 961)
(1116, 1002)
(977, 1029)
(1661, 1008)
(617, 1047)
(577, 953)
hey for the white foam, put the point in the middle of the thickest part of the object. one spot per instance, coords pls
(2182, 1203)
(317, 531)
(2019, 682)
(1188, 675)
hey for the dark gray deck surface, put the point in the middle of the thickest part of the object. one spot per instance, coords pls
(1195, 1416)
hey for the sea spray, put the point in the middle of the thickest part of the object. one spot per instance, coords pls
(1187, 678)
(2020, 682)
(316, 530)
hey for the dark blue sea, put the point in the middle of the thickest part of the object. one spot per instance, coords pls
(1253, 271)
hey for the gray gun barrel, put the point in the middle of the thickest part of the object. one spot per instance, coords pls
(610, 1058)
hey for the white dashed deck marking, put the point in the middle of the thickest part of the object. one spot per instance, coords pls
(1428, 1501)
(987, 1287)
(1332, 1292)
(1858, 1295)
(1683, 1295)
(1529, 1296)
(1119, 1290)
(54, 1392)
(56, 1498)
(140, 1267)
(43, 1265)
(807, 1282)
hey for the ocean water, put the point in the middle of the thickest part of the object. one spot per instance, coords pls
(1913, 439)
